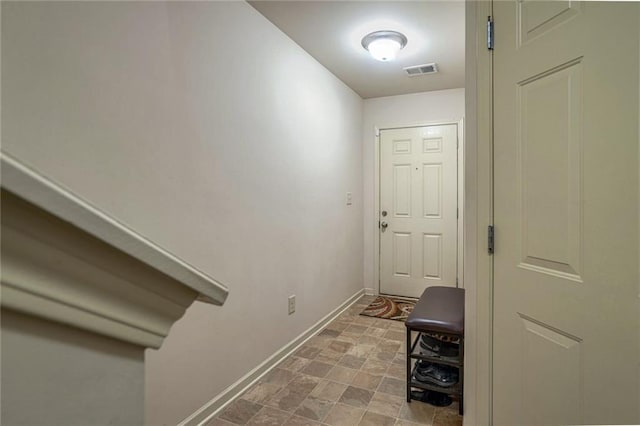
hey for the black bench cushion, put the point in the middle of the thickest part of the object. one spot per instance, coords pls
(440, 309)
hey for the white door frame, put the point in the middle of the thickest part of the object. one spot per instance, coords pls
(478, 199)
(376, 198)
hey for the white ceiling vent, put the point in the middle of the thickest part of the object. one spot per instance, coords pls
(421, 69)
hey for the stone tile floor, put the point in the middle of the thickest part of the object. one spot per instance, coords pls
(352, 373)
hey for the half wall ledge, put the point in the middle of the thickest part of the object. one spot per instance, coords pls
(64, 260)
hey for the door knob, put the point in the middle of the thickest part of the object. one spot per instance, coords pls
(383, 225)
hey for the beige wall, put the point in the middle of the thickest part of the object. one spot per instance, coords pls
(53, 374)
(204, 128)
(397, 111)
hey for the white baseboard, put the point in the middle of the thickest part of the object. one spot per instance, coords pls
(217, 404)
(370, 291)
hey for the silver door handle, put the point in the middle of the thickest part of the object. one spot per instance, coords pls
(383, 225)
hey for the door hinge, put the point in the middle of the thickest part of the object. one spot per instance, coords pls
(457, 213)
(490, 239)
(490, 32)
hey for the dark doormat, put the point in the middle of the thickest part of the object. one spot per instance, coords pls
(390, 307)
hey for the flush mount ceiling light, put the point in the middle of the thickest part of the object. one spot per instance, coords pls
(384, 45)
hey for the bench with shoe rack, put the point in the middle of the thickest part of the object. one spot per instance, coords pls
(435, 357)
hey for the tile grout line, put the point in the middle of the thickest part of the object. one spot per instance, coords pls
(317, 328)
(353, 339)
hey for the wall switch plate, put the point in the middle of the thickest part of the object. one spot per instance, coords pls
(292, 304)
(349, 198)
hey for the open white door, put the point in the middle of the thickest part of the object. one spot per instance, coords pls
(566, 292)
(418, 208)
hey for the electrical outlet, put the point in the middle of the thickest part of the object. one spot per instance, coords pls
(292, 304)
(349, 198)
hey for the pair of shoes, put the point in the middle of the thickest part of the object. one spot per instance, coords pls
(447, 338)
(437, 374)
(438, 347)
(437, 399)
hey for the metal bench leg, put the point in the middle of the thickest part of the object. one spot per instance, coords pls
(461, 374)
(408, 365)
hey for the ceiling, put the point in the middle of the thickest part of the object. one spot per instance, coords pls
(331, 31)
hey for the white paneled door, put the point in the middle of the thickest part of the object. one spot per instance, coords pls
(418, 209)
(566, 292)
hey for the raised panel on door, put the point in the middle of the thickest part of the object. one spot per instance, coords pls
(402, 254)
(401, 146)
(549, 122)
(402, 190)
(432, 145)
(551, 360)
(432, 256)
(432, 190)
(539, 17)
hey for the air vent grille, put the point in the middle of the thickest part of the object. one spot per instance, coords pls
(421, 69)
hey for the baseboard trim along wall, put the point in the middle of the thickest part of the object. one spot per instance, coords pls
(227, 396)
(370, 291)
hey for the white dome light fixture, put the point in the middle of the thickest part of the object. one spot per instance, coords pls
(384, 45)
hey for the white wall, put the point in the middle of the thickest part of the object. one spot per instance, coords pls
(204, 128)
(396, 111)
